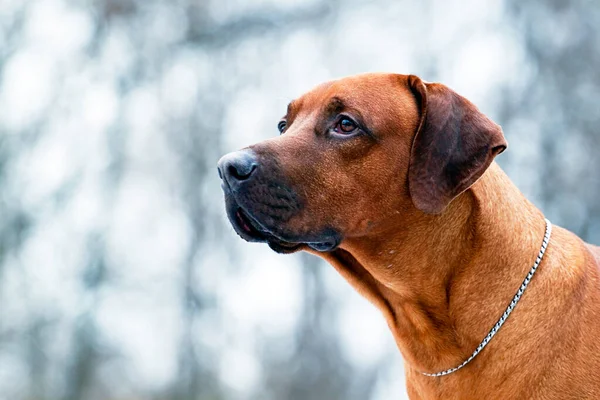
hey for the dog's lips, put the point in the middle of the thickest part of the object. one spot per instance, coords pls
(251, 230)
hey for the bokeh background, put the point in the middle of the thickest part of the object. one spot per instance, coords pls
(120, 277)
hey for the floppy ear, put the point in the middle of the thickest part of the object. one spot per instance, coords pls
(454, 145)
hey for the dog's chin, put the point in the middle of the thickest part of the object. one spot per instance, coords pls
(251, 230)
(285, 247)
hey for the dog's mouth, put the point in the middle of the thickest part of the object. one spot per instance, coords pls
(251, 230)
(250, 227)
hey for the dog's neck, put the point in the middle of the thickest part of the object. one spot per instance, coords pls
(442, 281)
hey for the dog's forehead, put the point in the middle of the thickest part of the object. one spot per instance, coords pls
(361, 91)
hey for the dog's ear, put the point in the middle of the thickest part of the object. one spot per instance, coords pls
(454, 145)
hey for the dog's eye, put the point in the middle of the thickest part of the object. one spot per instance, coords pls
(345, 125)
(281, 126)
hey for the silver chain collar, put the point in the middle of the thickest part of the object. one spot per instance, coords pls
(509, 309)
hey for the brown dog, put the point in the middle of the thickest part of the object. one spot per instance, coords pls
(392, 181)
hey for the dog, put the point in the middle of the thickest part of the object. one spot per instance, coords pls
(392, 180)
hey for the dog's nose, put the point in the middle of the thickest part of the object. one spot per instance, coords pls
(237, 166)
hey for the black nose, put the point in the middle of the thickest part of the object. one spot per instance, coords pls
(237, 166)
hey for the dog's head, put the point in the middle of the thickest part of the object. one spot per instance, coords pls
(354, 154)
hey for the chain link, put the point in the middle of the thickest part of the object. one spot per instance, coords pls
(509, 309)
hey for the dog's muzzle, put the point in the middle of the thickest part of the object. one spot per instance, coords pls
(260, 205)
